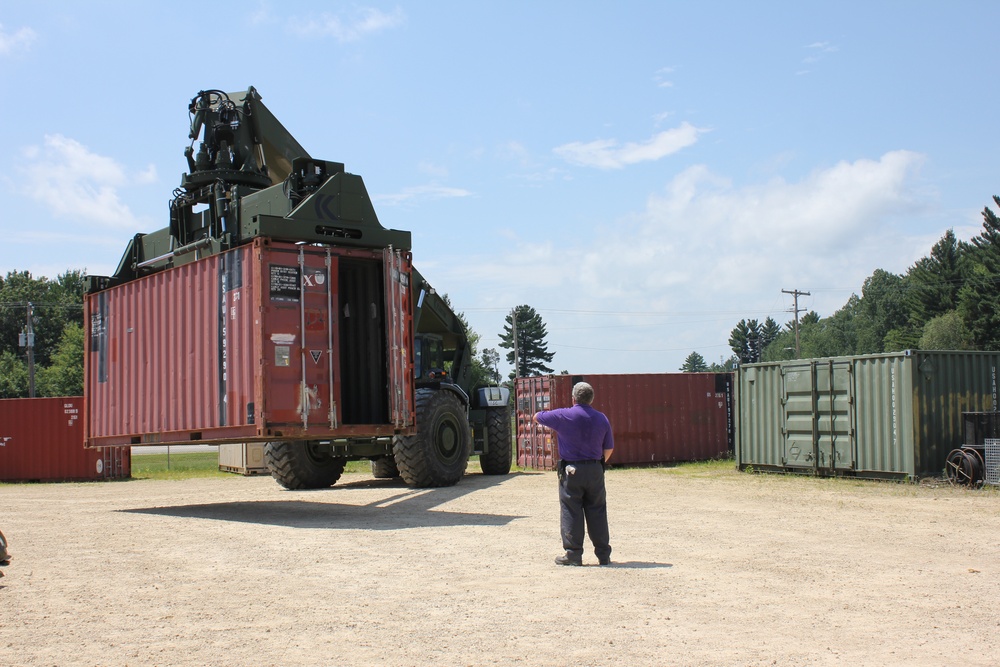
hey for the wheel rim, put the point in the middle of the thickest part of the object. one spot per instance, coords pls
(317, 453)
(448, 440)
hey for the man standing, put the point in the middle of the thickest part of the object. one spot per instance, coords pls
(585, 444)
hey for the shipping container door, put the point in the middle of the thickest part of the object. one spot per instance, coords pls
(536, 445)
(818, 415)
(299, 337)
(320, 366)
(399, 336)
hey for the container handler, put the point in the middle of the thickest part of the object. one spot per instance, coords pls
(275, 308)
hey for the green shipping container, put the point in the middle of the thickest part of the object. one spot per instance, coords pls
(876, 416)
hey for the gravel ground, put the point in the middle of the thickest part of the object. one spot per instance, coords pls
(711, 568)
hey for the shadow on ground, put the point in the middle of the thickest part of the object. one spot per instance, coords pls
(407, 508)
(636, 565)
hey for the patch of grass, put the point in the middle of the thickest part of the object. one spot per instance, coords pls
(191, 465)
(185, 465)
(712, 468)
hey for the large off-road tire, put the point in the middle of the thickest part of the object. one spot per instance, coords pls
(496, 460)
(384, 468)
(303, 465)
(439, 453)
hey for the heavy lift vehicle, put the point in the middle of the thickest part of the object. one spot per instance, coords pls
(251, 182)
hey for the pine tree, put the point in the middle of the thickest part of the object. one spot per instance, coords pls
(695, 363)
(979, 298)
(532, 350)
(883, 320)
(933, 282)
(749, 339)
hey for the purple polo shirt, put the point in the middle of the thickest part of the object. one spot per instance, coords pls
(584, 433)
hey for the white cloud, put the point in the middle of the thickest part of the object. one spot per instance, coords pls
(660, 118)
(421, 192)
(79, 185)
(704, 253)
(21, 40)
(432, 169)
(831, 229)
(261, 15)
(819, 50)
(609, 154)
(660, 77)
(364, 21)
(516, 151)
(825, 47)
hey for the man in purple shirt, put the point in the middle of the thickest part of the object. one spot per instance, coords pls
(585, 444)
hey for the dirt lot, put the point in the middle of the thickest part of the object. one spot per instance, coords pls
(710, 569)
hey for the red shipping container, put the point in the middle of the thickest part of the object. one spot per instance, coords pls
(41, 440)
(271, 340)
(655, 418)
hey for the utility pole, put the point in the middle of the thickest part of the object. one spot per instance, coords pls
(513, 329)
(795, 309)
(27, 340)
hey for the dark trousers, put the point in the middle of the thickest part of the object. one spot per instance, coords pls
(582, 497)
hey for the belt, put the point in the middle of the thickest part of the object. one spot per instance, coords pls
(576, 463)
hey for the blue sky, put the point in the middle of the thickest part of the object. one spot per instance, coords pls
(644, 174)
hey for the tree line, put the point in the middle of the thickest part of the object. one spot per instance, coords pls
(56, 308)
(948, 300)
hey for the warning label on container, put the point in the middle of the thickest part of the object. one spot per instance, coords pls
(315, 280)
(284, 283)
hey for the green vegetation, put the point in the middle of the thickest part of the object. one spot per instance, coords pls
(191, 465)
(57, 325)
(186, 465)
(695, 363)
(947, 300)
(530, 350)
(712, 468)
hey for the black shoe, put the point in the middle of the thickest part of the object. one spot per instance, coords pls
(604, 561)
(566, 560)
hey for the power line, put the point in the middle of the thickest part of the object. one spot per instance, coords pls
(795, 309)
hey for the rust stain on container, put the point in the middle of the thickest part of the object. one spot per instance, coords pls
(269, 340)
(41, 439)
(655, 418)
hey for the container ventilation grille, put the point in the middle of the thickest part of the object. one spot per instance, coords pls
(992, 460)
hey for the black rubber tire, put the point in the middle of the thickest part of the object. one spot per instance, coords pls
(300, 465)
(497, 460)
(384, 468)
(439, 452)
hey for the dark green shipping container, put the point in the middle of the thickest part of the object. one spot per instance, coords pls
(877, 416)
